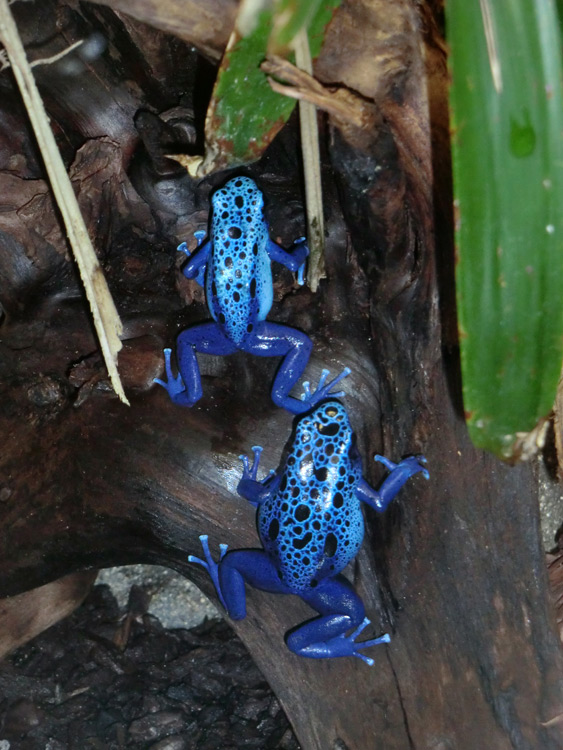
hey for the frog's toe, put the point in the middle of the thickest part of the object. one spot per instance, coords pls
(183, 248)
(249, 472)
(414, 465)
(385, 461)
(209, 564)
(357, 648)
(324, 389)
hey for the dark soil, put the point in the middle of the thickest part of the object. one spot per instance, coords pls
(104, 680)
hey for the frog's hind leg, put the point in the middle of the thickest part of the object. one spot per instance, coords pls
(341, 609)
(252, 566)
(275, 340)
(185, 388)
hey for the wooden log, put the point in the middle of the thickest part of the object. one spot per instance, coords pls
(454, 570)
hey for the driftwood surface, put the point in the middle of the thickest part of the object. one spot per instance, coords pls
(454, 570)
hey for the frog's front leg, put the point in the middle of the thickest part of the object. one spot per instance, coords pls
(393, 482)
(249, 487)
(197, 261)
(275, 340)
(341, 610)
(185, 389)
(293, 260)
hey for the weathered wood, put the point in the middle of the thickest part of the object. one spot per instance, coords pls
(24, 616)
(454, 570)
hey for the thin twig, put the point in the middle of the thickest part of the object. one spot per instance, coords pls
(5, 63)
(311, 168)
(106, 319)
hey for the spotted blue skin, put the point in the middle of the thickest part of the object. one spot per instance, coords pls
(311, 526)
(234, 266)
(238, 281)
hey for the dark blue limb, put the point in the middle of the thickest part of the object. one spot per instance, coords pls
(252, 566)
(341, 609)
(275, 340)
(249, 487)
(210, 565)
(399, 474)
(233, 569)
(197, 261)
(185, 388)
(292, 260)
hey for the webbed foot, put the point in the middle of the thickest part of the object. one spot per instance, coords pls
(356, 648)
(342, 645)
(210, 565)
(174, 385)
(324, 389)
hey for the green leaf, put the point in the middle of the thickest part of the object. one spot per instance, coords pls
(507, 129)
(245, 114)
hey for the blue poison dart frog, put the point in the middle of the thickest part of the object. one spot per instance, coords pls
(234, 266)
(311, 526)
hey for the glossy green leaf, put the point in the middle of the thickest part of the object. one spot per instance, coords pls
(245, 114)
(507, 131)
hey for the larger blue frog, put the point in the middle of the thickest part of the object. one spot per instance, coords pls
(311, 526)
(235, 268)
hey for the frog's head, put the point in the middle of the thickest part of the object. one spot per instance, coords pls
(239, 196)
(326, 423)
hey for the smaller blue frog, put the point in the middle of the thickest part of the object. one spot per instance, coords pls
(235, 268)
(311, 526)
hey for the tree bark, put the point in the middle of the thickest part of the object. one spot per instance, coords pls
(454, 570)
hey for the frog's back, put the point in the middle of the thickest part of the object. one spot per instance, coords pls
(313, 526)
(239, 278)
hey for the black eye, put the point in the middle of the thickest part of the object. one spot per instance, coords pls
(234, 233)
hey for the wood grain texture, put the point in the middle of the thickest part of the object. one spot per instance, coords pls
(206, 25)
(454, 570)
